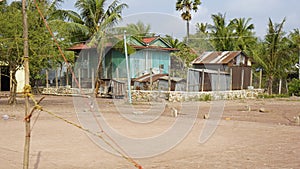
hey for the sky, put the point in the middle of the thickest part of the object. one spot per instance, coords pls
(164, 19)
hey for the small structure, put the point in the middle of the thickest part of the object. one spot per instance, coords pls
(176, 83)
(147, 81)
(161, 82)
(208, 80)
(227, 70)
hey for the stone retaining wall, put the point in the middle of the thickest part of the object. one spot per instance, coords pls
(176, 96)
(172, 96)
(65, 91)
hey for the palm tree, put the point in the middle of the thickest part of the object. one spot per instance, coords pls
(294, 37)
(93, 18)
(272, 53)
(221, 33)
(138, 29)
(174, 43)
(187, 6)
(243, 33)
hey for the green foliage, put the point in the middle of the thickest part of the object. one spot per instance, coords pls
(138, 29)
(294, 87)
(237, 35)
(270, 96)
(186, 54)
(273, 54)
(186, 6)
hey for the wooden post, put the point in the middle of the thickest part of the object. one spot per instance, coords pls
(280, 85)
(151, 79)
(251, 77)
(219, 80)
(260, 78)
(67, 77)
(230, 79)
(242, 79)
(47, 79)
(93, 79)
(26, 88)
(187, 80)
(79, 78)
(169, 80)
(56, 78)
(202, 81)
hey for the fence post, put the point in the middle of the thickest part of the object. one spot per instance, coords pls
(93, 79)
(47, 79)
(219, 80)
(187, 80)
(79, 78)
(279, 87)
(169, 80)
(230, 79)
(202, 81)
(260, 78)
(251, 77)
(242, 78)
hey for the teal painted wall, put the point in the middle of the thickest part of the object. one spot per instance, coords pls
(139, 62)
(143, 60)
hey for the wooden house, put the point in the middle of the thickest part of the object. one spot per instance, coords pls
(227, 70)
(149, 53)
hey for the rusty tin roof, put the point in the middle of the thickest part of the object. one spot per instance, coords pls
(216, 57)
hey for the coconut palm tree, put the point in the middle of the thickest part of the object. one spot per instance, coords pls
(138, 29)
(186, 7)
(243, 33)
(93, 18)
(272, 53)
(221, 33)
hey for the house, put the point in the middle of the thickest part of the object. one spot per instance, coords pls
(149, 53)
(227, 70)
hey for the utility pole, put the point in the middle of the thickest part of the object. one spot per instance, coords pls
(127, 68)
(26, 87)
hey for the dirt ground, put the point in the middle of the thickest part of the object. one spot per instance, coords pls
(245, 137)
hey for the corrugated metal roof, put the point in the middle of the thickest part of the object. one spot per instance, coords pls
(209, 71)
(145, 44)
(175, 79)
(216, 57)
(146, 77)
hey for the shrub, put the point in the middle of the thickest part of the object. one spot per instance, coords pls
(294, 87)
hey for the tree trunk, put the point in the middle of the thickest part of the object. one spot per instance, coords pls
(187, 31)
(98, 74)
(270, 85)
(13, 90)
(60, 71)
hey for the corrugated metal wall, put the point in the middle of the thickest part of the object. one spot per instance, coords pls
(239, 73)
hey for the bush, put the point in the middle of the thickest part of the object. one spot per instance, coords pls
(294, 87)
